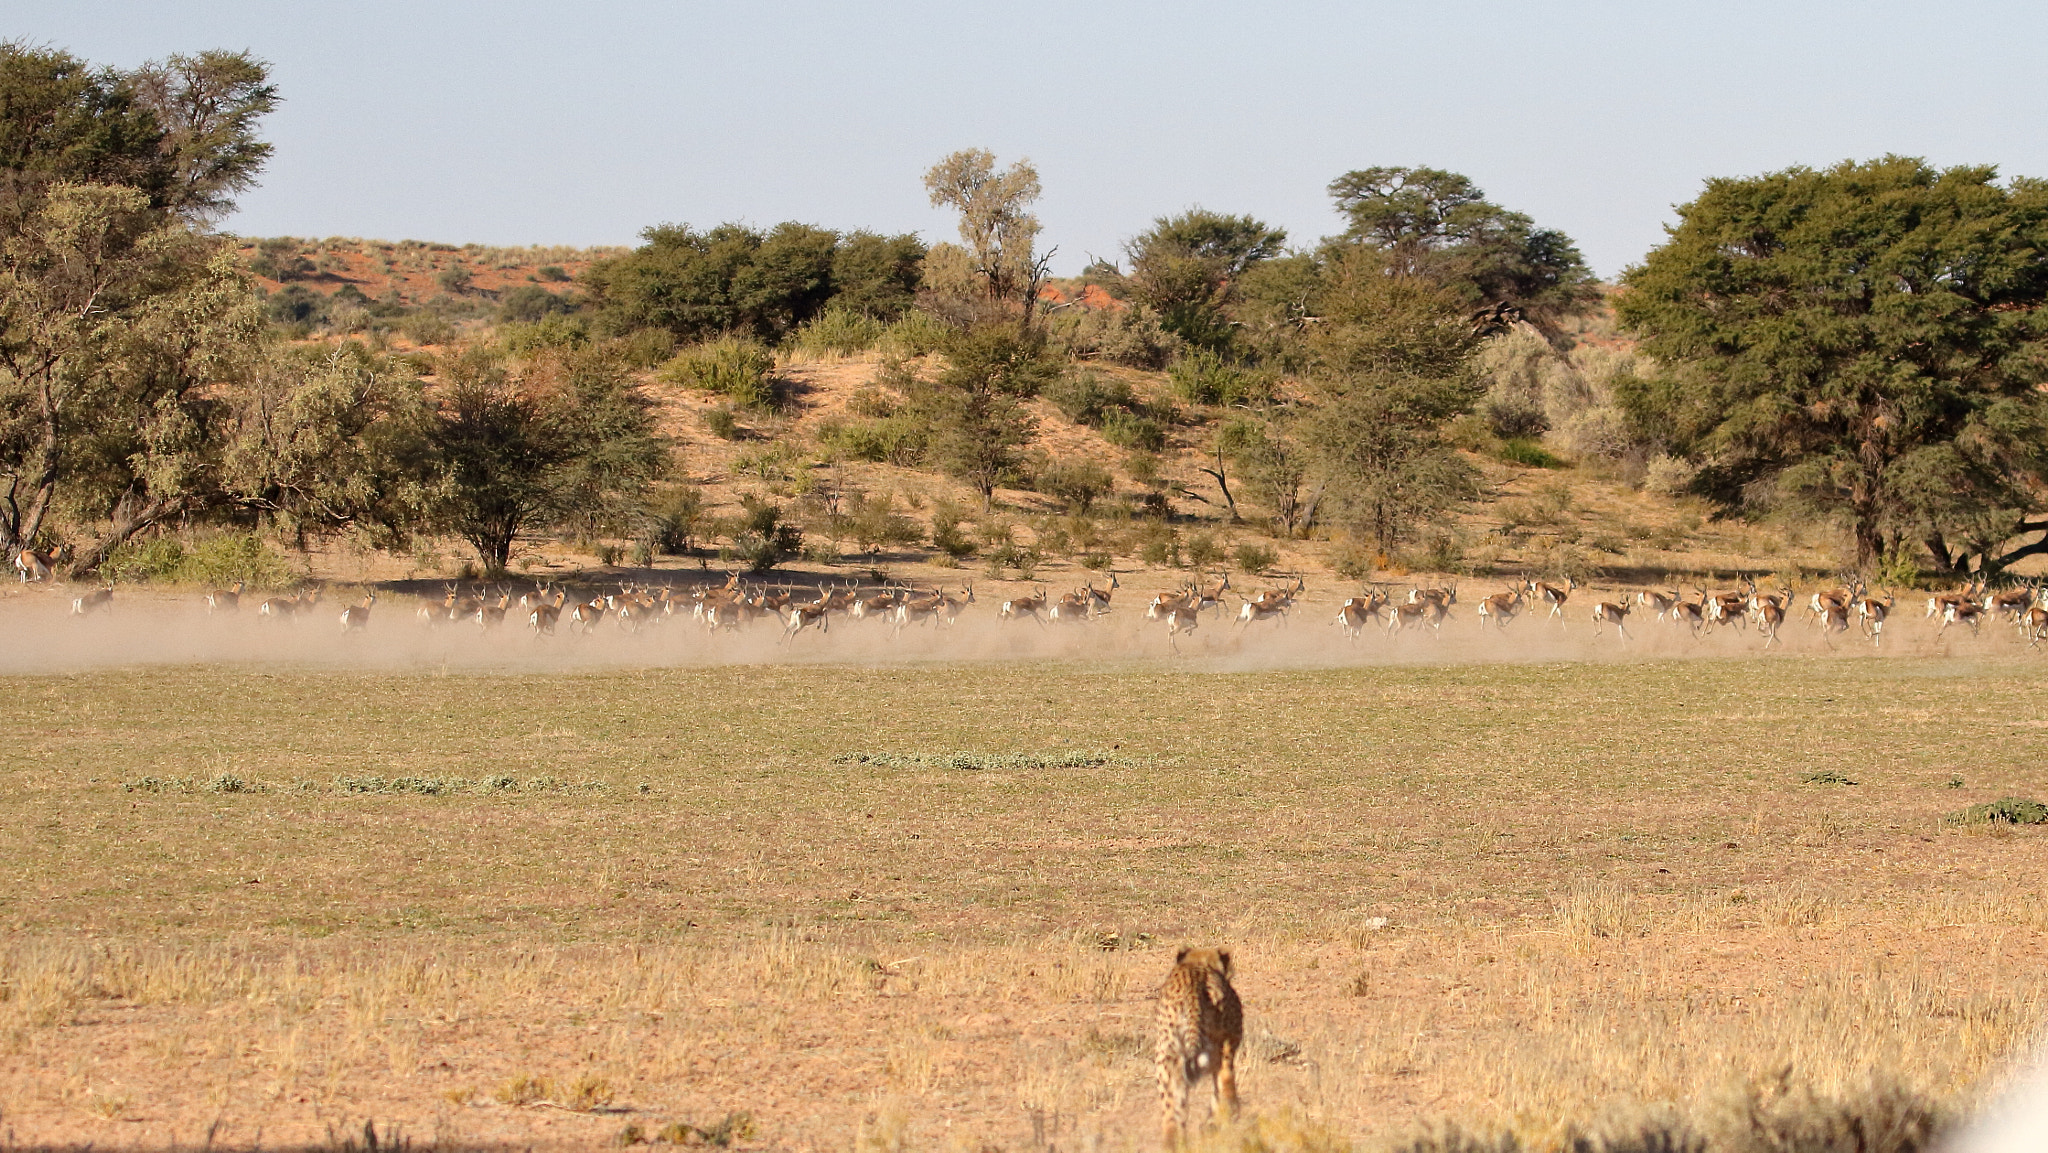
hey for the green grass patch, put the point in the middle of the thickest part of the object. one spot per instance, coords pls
(2006, 810)
(1065, 759)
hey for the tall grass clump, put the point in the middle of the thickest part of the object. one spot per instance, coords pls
(838, 332)
(730, 366)
(915, 333)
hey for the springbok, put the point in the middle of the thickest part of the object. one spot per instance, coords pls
(2009, 604)
(881, 606)
(1770, 616)
(2034, 624)
(1663, 604)
(1691, 614)
(32, 566)
(1873, 612)
(542, 613)
(917, 610)
(95, 601)
(1551, 594)
(490, 616)
(1070, 608)
(1029, 606)
(356, 618)
(1967, 612)
(1098, 599)
(955, 605)
(1358, 611)
(802, 617)
(1411, 614)
(225, 600)
(1611, 612)
(286, 608)
(1183, 617)
(1211, 596)
(587, 614)
(1500, 608)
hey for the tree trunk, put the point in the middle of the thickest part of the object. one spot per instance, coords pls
(128, 520)
(1223, 483)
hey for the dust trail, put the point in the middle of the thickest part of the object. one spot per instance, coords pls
(144, 629)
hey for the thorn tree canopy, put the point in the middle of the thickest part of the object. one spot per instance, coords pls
(1440, 225)
(1866, 341)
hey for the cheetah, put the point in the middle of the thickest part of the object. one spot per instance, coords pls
(1201, 1026)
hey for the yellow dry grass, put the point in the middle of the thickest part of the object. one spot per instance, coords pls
(1522, 897)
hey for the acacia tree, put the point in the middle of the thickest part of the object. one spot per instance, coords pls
(1439, 225)
(117, 317)
(996, 223)
(1187, 268)
(1392, 364)
(329, 440)
(974, 410)
(560, 437)
(1867, 341)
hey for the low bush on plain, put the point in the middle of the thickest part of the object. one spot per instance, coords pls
(731, 366)
(2006, 810)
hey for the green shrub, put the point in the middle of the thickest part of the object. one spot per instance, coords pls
(898, 440)
(1160, 547)
(1200, 376)
(722, 422)
(1077, 484)
(838, 331)
(530, 302)
(915, 333)
(643, 348)
(552, 332)
(218, 559)
(552, 272)
(453, 279)
(1203, 551)
(1523, 451)
(1128, 430)
(425, 327)
(730, 366)
(947, 535)
(2008, 810)
(1256, 558)
(676, 517)
(1086, 397)
(760, 539)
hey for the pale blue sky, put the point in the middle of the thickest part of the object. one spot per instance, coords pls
(580, 123)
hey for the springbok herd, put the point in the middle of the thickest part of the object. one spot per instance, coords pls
(733, 606)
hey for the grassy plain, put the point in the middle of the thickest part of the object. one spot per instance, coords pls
(1520, 896)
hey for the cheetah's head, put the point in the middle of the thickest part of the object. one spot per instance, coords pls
(1214, 960)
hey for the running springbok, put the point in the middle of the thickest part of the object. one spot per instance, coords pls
(1611, 612)
(1098, 599)
(225, 600)
(802, 617)
(1029, 606)
(95, 601)
(1358, 611)
(542, 613)
(1500, 608)
(1183, 617)
(1873, 612)
(1551, 595)
(34, 566)
(1663, 604)
(356, 618)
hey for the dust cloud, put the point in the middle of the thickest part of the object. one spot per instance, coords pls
(143, 628)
